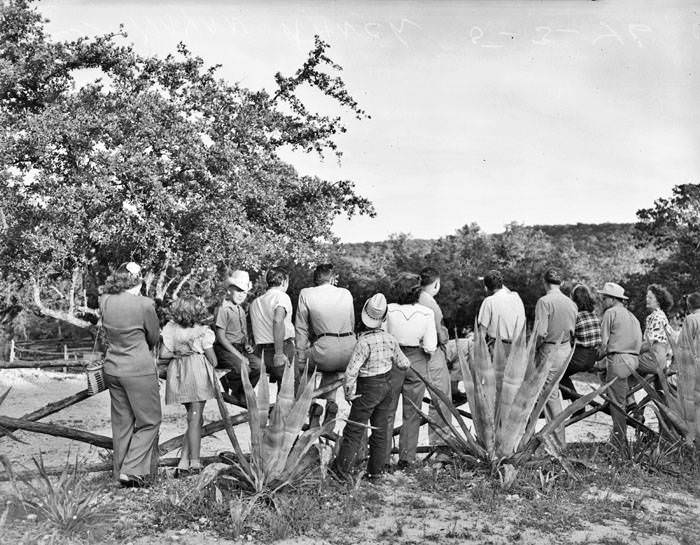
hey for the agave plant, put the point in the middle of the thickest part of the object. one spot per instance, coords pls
(506, 394)
(678, 408)
(280, 451)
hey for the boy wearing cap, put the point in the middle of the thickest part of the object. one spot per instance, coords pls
(232, 345)
(621, 339)
(367, 385)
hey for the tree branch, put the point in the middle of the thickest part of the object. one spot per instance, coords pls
(180, 285)
(52, 313)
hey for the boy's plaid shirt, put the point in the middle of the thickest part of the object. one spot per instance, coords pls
(587, 329)
(374, 354)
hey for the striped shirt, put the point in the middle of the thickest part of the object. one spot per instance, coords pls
(587, 329)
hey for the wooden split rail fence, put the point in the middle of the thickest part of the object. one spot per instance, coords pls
(30, 422)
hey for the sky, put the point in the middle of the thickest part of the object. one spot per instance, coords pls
(537, 112)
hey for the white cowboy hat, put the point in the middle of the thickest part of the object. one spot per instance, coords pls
(613, 290)
(239, 279)
(374, 311)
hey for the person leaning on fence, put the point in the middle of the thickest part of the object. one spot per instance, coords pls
(621, 339)
(233, 347)
(655, 345)
(131, 327)
(413, 326)
(188, 344)
(587, 334)
(502, 313)
(271, 320)
(325, 334)
(555, 320)
(438, 373)
(367, 386)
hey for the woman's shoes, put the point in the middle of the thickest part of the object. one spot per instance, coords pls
(181, 472)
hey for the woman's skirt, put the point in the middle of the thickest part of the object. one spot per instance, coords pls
(190, 378)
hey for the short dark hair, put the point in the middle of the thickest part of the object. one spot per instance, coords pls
(121, 280)
(276, 276)
(188, 311)
(429, 275)
(662, 296)
(552, 276)
(693, 300)
(493, 280)
(582, 298)
(323, 273)
(407, 288)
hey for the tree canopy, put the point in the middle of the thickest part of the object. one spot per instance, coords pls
(156, 160)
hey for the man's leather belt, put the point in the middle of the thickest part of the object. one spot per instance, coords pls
(553, 342)
(334, 334)
(620, 353)
(402, 346)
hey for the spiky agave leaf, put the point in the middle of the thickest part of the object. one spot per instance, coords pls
(253, 416)
(263, 395)
(483, 377)
(295, 465)
(274, 433)
(544, 393)
(472, 444)
(515, 428)
(513, 376)
(672, 415)
(293, 422)
(499, 361)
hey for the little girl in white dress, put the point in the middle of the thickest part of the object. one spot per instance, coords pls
(191, 378)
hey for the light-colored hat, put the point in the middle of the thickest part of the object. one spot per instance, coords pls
(374, 311)
(239, 279)
(133, 268)
(613, 290)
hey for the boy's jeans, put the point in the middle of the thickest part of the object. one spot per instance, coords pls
(373, 405)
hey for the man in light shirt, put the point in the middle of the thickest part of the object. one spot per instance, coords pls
(502, 313)
(413, 325)
(555, 320)
(438, 373)
(325, 325)
(271, 319)
(621, 339)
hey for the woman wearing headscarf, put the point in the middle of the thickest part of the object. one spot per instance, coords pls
(131, 328)
(413, 326)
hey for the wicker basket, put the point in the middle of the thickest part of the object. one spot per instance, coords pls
(94, 372)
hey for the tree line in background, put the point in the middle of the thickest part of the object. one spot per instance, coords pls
(108, 155)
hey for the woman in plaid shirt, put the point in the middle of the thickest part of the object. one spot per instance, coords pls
(587, 333)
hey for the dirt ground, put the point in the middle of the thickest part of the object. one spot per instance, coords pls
(441, 503)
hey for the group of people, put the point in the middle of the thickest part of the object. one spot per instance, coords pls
(380, 360)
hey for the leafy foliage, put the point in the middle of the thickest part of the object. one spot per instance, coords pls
(156, 159)
(672, 225)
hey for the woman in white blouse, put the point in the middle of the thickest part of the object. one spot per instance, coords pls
(413, 325)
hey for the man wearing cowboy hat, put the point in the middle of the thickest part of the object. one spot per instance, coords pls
(232, 345)
(621, 339)
(367, 386)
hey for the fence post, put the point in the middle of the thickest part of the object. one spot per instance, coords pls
(12, 350)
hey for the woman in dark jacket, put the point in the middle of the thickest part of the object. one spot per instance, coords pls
(131, 327)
